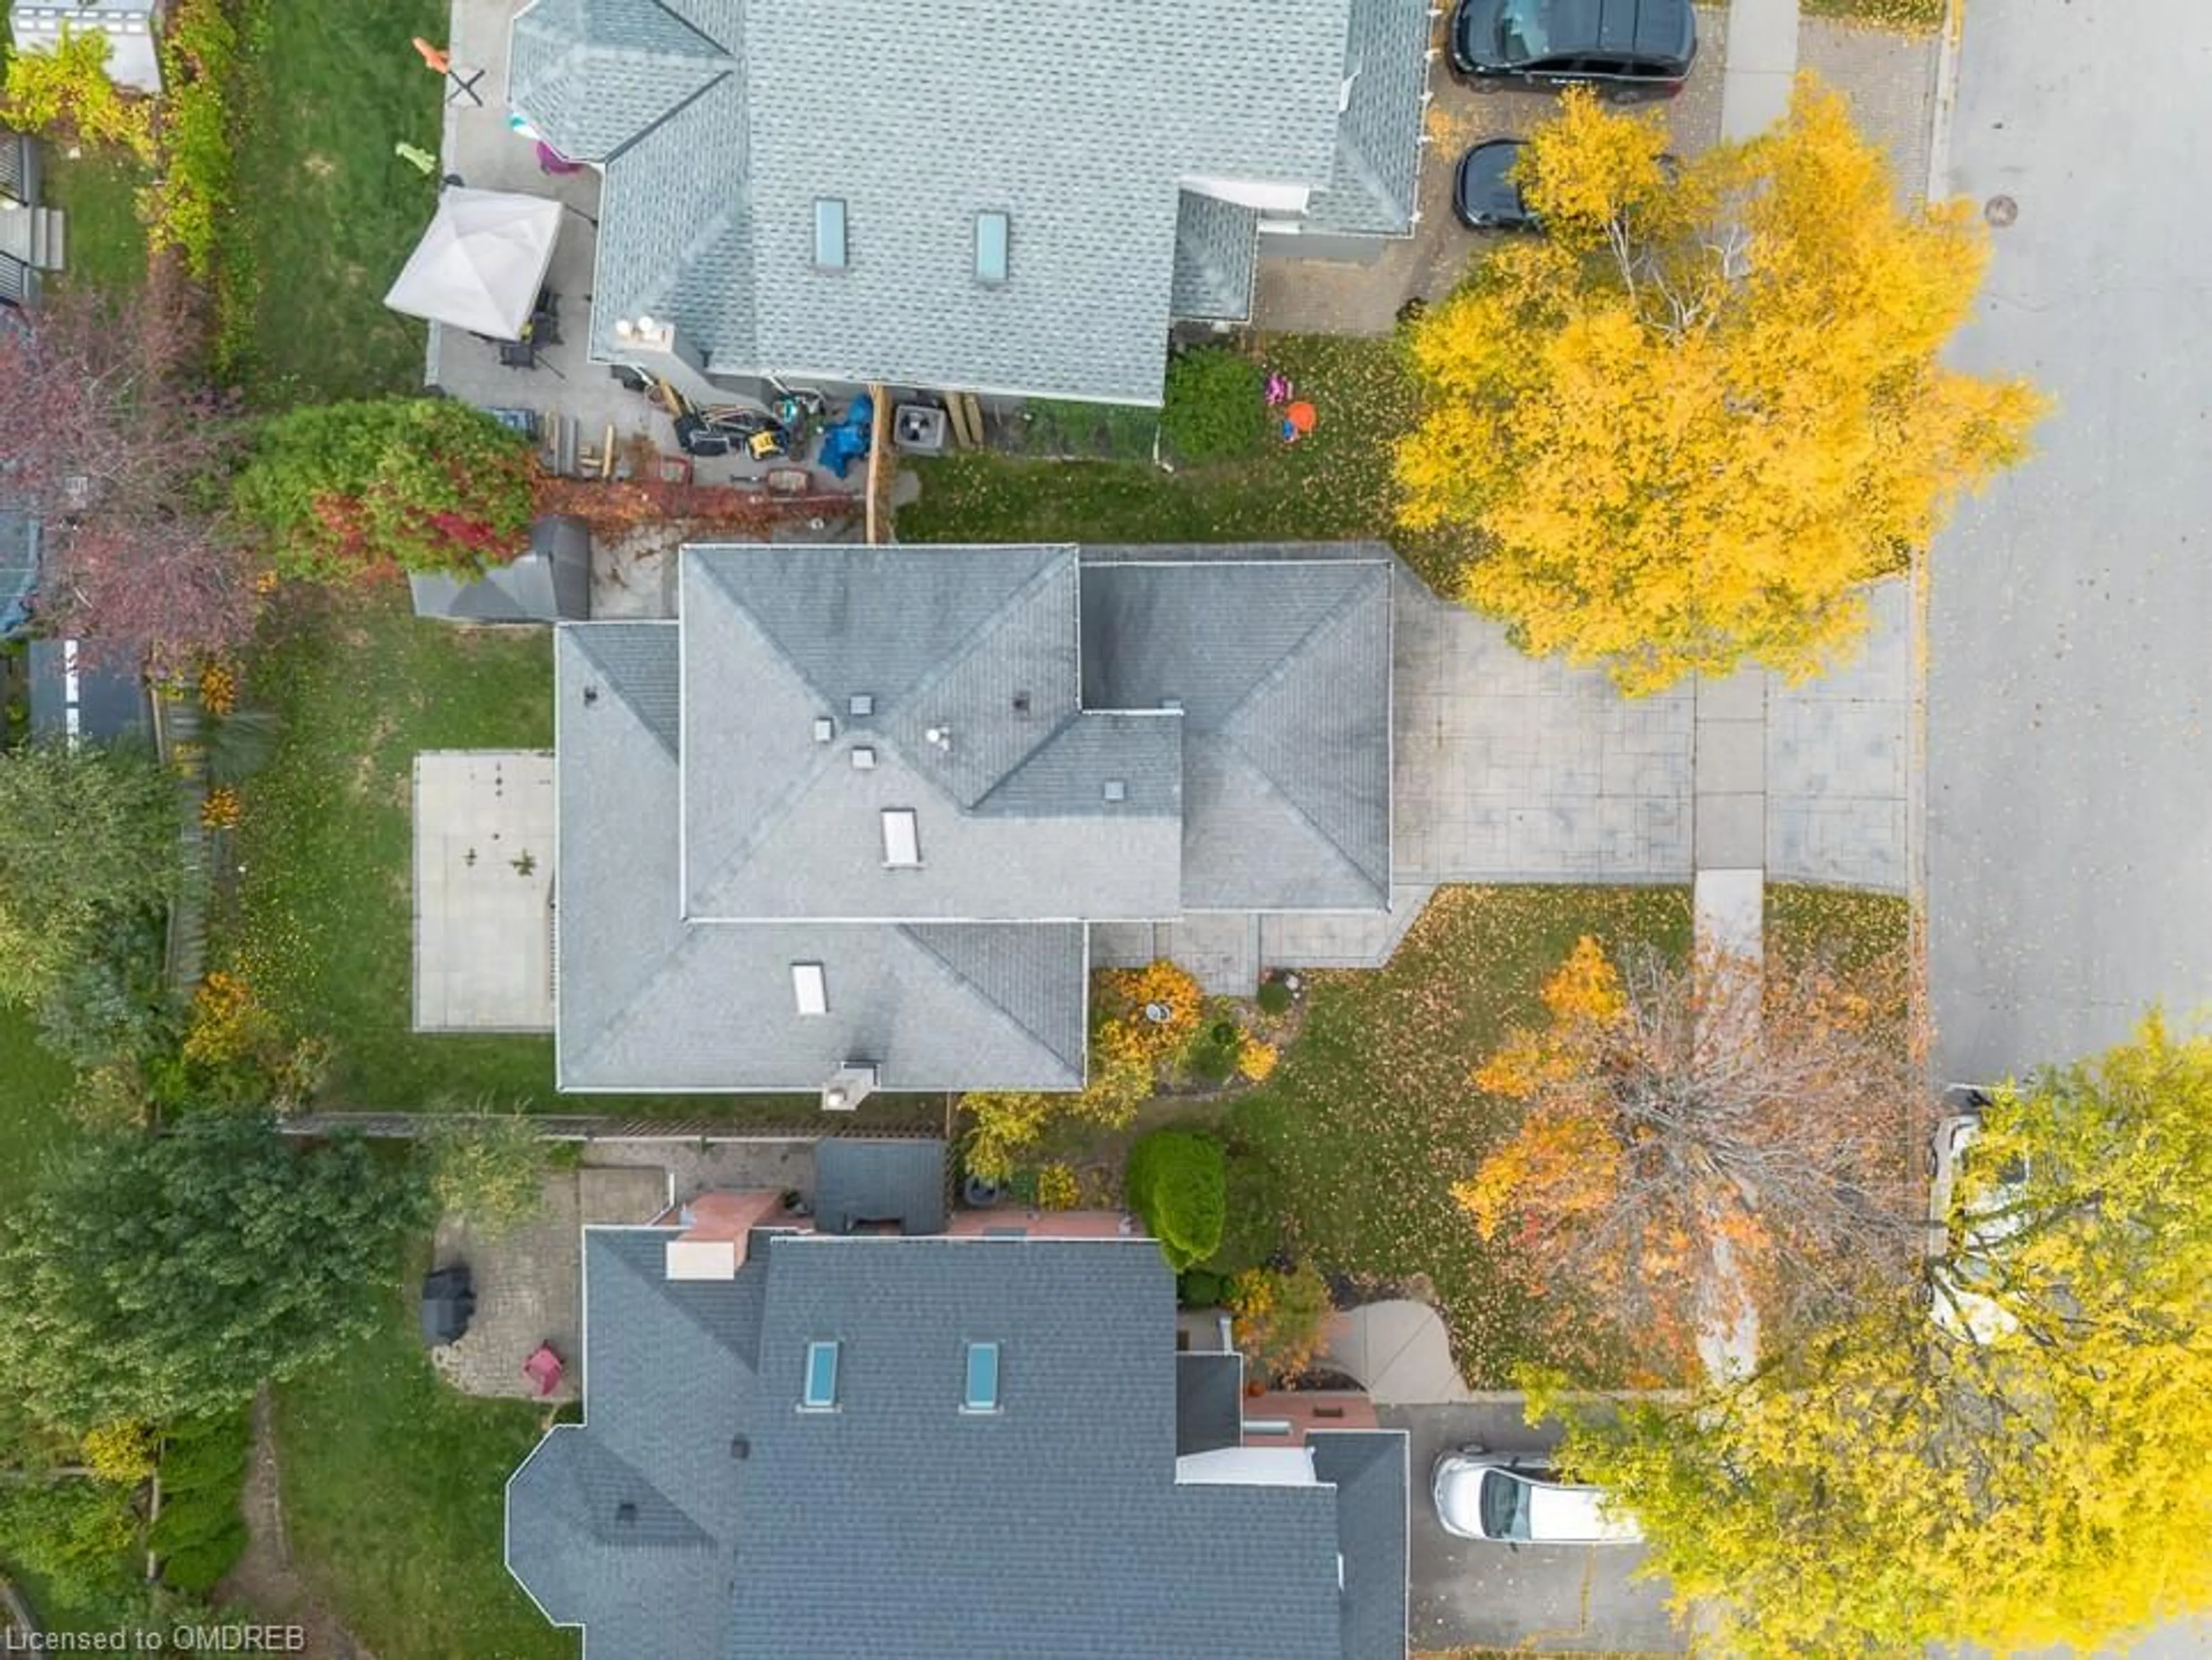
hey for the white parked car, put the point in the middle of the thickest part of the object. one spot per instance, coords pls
(1972, 1235)
(1516, 1501)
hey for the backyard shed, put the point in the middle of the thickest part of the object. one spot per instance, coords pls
(79, 696)
(859, 1182)
(132, 28)
(551, 583)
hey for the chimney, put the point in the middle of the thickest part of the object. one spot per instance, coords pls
(651, 344)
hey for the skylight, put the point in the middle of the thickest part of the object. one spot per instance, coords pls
(902, 836)
(809, 989)
(983, 1394)
(992, 233)
(820, 1394)
(830, 232)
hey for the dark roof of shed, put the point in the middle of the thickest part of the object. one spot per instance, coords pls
(111, 697)
(858, 1180)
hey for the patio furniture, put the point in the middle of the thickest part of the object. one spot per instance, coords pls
(544, 1369)
(449, 1302)
(518, 353)
(518, 421)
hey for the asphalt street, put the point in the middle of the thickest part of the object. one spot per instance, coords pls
(2069, 769)
(1549, 1599)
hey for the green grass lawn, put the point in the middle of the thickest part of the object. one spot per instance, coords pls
(1335, 483)
(324, 917)
(1855, 927)
(34, 1121)
(322, 922)
(331, 210)
(394, 1504)
(98, 191)
(1349, 1153)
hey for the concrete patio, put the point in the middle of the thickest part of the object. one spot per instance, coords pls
(480, 149)
(483, 891)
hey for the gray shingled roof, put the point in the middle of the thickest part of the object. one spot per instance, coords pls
(1368, 1469)
(709, 840)
(550, 583)
(19, 569)
(658, 1355)
(896, 1524)
(1209, 1401)
(1217, 251)
(1286, 710)
(645, 1001)
(1015, 822)
(1083, 125)
(857, 1179)
(1374, 182)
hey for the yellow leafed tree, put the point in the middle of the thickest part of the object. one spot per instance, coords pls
(1680, 428)
(1890, 1482)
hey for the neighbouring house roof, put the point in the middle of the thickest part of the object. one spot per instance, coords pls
(77, 695)
(550, 583)
(1119, 733)
(18, 569)
(858, 1180)
(1279, 658)
(1209, 1401)
(1373, 180)
(697, 1512)
(721, 124)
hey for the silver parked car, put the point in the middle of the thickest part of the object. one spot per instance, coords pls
(1517, 1501)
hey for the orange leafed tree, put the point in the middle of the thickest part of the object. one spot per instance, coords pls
(1667, 1105)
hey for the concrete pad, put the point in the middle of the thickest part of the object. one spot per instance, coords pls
(483, 891)
(1738, 697)
(1752, 100)
(1762, 37)
(1221, 950)
(1731, 755)
(1729, 907)
(1731, 831)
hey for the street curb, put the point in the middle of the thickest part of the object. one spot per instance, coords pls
(1946, 98)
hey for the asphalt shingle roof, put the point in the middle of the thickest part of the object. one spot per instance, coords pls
(1367, 1469)
(895, 1524)
(1083, 125)
(1216, 250)
(710, 839)
(1374, 181)
(975, 645)
(858, 1180)
(1286, 710)
(645, 1001)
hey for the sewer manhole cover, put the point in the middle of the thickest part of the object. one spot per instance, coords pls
(2000, 210)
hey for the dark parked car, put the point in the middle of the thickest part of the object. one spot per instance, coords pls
(1483, 195)
(1628, 50)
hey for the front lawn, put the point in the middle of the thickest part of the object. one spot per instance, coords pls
(1348, 1154)
(1910, 17)
(394, 1489)
(1335, 483)
(98, 192)
(331, 210)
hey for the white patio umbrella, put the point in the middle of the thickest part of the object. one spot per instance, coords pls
(482, 262)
